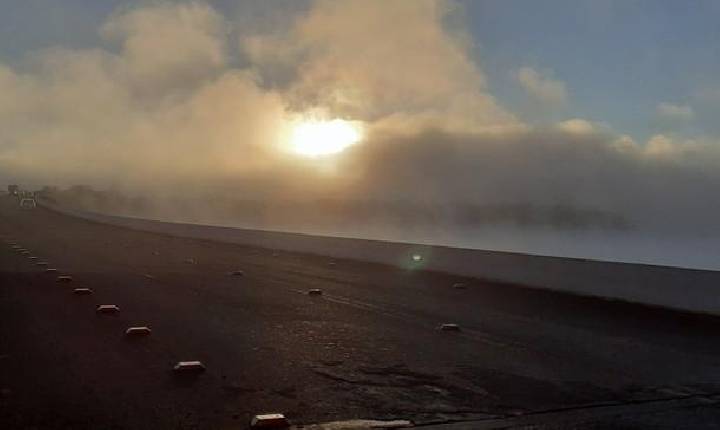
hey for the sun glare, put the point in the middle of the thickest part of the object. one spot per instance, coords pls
(317, 138)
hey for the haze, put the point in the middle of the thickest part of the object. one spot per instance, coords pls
(197, 102)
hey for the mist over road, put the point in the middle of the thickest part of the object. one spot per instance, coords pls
(368, 347)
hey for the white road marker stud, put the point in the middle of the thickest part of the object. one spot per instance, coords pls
(138, 331)
(32, 258)
(82, 291)
(50, 270)
(41, 263)
(189, 367)
(190, 261)
(449, 327)
(64, 278)
(269, 421)
(314, 292)
(107, 309)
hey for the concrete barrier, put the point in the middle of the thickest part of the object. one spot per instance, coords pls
(671, 287)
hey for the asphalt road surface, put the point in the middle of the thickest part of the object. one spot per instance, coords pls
(369, 347)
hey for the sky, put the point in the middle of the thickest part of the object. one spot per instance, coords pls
(602, 105)
(619, 61)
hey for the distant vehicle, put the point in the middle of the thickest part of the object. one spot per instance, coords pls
(13, 190)
(25, 194)
(27, 203)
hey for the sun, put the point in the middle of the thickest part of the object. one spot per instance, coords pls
(317, 138)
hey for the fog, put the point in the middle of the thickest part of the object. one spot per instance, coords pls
(189, 112)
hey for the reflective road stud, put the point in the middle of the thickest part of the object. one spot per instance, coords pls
(107, 309)
(64, 278)
(41, 263)
(82, 291)
(449, 327)
(50, 270)
(315, 292)
(137, 331)
(269, 421)
(189, 367)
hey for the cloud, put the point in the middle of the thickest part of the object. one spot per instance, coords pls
(697, 152)
(165, 104)
(168, 46)
(165, 107)
(660, 145)
(353, 58)
(542, 88)
(675, 112)
(171, 110)
(577, 126)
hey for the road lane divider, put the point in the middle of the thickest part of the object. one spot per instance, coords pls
(82, 291)
(107, 309)
(138, 331)
(189, 367)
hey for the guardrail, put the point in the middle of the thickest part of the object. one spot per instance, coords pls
(671, 287)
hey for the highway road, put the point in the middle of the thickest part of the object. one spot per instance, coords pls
(368, 347)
